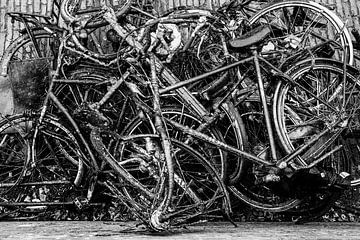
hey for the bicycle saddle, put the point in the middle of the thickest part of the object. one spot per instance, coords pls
(253, 37)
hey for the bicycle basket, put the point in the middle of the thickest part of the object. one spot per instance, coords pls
(29, 79)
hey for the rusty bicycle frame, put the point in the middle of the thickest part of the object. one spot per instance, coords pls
(276, 162)
(179, 87)
(158, 121)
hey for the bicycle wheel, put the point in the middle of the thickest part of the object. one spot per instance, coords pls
(183, 116)
(303, 110)
(37, 174)
(23, 52)
(134, 172)
(23, 48)
(202, 45)
(72, 10)
(296, 25)
(202, 50)
(198, 189)
(89, 87)
(249, 187)
(303, 117)
(272, 197)
(97, 38)
(324, 95)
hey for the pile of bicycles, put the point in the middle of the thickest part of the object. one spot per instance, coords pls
(173, 114)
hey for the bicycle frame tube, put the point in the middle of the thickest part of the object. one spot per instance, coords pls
(288, 78)
(197, 133)
(50, 96)
(76, 128)
(45, 105)
(32, 37)
(260, 88)
(159, 125)
(179, 84)
(282, 163)
(264, 105)
(193, 102)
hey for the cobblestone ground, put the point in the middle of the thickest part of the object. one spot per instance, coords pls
(111, 230)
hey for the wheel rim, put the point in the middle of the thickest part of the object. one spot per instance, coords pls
(303, 17)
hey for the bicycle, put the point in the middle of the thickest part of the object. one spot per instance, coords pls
(312, 12)
(275, 207)
(151, 197)
(186, 82)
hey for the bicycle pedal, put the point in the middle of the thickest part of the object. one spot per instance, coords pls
(80, 203)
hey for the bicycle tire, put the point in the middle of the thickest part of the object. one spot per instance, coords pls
(328, 19)
(70, 16)
(261, 196)
(248, 187)
(22, 48)
(201, 51)
(116, 112)
(329, 68)
(181, 205)
(99, 40)
(50, 176)
(306, 67)
(141, 125)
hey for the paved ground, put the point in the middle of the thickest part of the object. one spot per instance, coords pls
(111, 230)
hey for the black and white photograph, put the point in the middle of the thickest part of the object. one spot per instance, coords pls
(179, 119)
